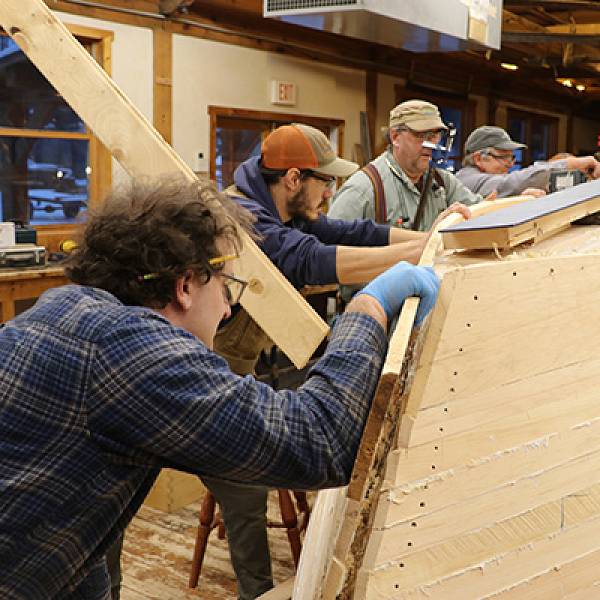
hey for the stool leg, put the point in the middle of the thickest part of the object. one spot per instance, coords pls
(303, 508)
(290, 520)
(207, 514)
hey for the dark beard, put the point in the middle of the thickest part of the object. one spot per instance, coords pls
(296, 205)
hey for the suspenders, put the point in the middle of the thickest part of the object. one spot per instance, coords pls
(379, 193)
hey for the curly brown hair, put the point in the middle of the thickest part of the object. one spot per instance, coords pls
(164, 227)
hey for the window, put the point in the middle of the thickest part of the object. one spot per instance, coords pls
(237, 134)
(539, 132)
(51, 166)
(454, 110)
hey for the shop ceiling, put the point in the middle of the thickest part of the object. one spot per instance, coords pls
(549, 41)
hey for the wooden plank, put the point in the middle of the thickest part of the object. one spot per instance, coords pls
(271, 300)
(163, 83)
(406, 500)
(397, 541)
(526, 221)
(490, 560)
(174, 489)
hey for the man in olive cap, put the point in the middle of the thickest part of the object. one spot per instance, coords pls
(400, 188)
(391, 188)
(489, 157)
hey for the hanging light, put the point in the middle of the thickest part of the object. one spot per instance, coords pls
(509, 66)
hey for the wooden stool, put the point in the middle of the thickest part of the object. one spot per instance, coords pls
(294, 522)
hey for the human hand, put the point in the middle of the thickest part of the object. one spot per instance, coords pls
(400, 282)
(587, 164)
(491, 196)
(457, 207)
(535, 192)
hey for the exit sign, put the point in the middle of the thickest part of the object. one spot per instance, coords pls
(283, 92)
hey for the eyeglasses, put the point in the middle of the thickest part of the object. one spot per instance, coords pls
(329, 180)
(424, 136)
(233, 286)
(507, 159)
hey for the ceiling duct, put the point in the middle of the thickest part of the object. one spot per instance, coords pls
(416, 25)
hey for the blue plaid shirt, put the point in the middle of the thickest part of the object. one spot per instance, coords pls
(96, 397)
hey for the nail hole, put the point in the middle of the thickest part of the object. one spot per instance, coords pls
(436, 447)
(445, 407)
(396, 586)
(433, 467)
(413, 524)
(514, 273)
(455, 373)
(421, 504)
(468, 324)
(401, 565)
(551, 271)
(425, 487)
(475, 297)
(409, 544)
(460, 349)
(441, 429)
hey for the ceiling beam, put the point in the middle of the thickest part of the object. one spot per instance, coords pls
(526, 37)
(554, 4)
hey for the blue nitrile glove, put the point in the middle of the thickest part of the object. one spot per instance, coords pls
(400, 282)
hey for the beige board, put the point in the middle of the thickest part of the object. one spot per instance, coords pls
(271, 300)
(518, 452)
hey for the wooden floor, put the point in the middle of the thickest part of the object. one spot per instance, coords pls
(158, 550)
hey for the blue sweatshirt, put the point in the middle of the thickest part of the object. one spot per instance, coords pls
(304, 251)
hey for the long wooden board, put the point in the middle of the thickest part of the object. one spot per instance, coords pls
(528, 221)
(271, 300)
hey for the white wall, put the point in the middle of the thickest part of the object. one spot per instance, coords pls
(212, 73)
(132, 65)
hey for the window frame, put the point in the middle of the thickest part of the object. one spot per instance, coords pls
(99, 44)
(530, 118)
(271, 120)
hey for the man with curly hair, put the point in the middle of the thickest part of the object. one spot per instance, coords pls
(106, 381)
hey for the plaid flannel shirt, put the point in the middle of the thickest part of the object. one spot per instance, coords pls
(96, 397)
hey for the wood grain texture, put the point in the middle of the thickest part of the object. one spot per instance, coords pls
(271, 299)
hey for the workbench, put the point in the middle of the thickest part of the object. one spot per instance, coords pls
(17, 285)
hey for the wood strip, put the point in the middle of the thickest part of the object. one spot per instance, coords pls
(163, 84)
(43, 133)
(271, 300)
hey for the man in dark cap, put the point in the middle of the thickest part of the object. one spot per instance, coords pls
(489, 155)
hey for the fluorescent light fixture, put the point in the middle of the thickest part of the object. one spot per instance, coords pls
(580, 87)
(509, 66)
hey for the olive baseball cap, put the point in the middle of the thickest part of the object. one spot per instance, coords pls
(303, 147)
(489, 136)
(418, 115)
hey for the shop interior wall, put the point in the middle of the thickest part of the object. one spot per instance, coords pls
(213, 73)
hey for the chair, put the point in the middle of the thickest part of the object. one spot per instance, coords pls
(294, 521)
